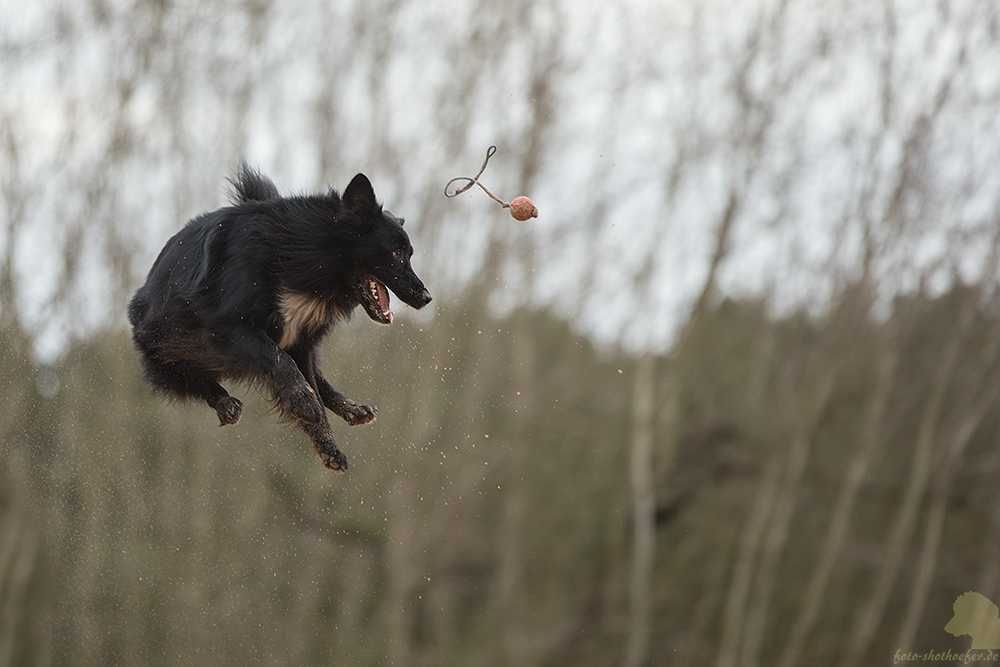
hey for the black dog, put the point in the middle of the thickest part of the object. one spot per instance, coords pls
(247, 293)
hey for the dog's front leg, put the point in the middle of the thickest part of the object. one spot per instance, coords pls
(353, 413)
(294, 396)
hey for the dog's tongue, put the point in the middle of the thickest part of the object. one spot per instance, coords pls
(383, 300)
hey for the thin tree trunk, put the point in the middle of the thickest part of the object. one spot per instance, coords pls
(400, 571)
(403, 540)
(935, 524)
(871, 441)
(18, 556)
(870, 617)
(784, 511)
(644, 512)
(948, 470)
(739, 587)
(511, 568)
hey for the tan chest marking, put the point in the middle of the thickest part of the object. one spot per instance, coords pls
(303, 313)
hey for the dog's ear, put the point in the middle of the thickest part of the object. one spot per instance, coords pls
(359, 197)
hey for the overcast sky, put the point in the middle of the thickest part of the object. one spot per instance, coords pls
(832, 127)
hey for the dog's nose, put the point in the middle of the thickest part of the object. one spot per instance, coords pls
(426, 297)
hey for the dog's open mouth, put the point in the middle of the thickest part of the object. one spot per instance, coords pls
(376, 300)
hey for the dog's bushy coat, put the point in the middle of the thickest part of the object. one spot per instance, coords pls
(249, 291)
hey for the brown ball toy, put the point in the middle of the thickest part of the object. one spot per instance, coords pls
(523, 209)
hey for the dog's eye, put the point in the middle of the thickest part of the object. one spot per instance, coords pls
(398, 254)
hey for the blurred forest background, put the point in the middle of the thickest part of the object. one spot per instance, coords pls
(733, 398)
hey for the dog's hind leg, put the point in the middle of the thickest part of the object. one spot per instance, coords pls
(185, 382)
(228, 408)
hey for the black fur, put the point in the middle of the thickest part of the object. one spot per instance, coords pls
(249, 291)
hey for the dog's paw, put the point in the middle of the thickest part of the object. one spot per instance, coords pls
(332, 457)
(356, 414)
(229, 410)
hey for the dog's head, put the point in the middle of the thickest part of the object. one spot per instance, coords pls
(381, 257)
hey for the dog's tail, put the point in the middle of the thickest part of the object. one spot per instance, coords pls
(251, 185)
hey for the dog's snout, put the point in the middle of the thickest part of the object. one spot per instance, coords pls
(425, 298)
